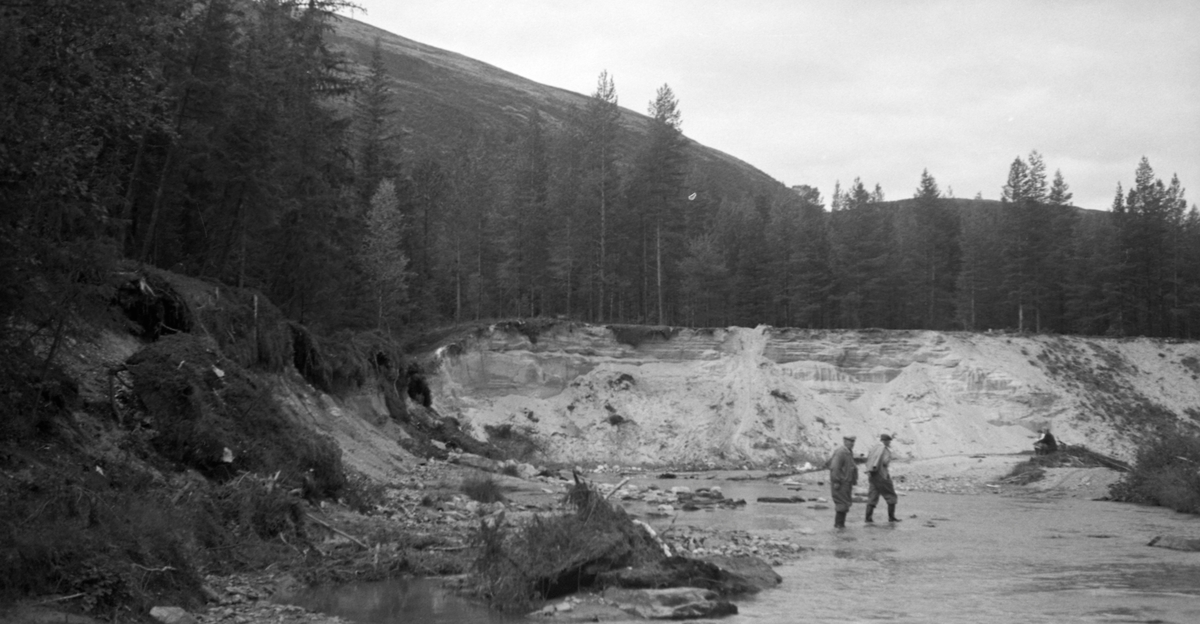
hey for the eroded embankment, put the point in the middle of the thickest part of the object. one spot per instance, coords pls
(742, 396)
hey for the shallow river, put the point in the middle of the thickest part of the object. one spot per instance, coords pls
(962, 558)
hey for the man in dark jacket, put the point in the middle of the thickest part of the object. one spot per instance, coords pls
(843, 475)
(1045, 444)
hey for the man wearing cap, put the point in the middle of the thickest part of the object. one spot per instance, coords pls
(843, 475)
(880, 479)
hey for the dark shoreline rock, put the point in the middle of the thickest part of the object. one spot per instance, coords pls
(1175, 542)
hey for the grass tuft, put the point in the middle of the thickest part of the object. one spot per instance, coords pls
(483, 489)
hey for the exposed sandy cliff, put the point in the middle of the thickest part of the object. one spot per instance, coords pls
(737, 396)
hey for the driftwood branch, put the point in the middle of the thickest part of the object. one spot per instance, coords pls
(338, 531)
(73, 596)
(619, 486)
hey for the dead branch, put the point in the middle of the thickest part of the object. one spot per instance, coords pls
(338, 531)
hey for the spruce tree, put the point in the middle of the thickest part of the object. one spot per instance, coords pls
(928, 236)
(600, 126)
(382, 257)
(661, 173)
(373, 136)
(1060, 193)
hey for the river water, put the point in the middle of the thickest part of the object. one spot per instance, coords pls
(962, 558)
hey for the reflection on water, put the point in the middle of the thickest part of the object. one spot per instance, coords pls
(399, 601)
(986, 559)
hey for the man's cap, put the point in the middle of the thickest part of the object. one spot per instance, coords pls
(849, 437)
(885, 437)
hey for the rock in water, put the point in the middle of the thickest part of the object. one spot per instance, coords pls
(1175, 542)
(676, 603)
(172, 615)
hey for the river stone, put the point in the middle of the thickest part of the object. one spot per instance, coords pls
(725, 575)
(1176, 542)
(172, 615)
(755, 571)
(676, 603)
(780, 499)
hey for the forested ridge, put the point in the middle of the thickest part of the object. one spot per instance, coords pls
(234, 141)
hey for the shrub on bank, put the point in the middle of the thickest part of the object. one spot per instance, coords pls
(550, 556)
(1166, 473)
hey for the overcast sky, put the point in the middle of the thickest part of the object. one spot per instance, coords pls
(815, 92)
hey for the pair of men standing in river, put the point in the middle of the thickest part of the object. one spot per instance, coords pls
(843, 476)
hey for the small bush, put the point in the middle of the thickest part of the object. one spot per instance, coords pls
(362, 494)
(1166, 473)
(516, 442)
(482, 489)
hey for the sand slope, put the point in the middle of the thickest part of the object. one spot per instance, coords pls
(762, 396)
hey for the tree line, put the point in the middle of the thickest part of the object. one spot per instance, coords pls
(226, 139)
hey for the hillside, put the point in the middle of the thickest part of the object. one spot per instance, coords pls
(441, 95)
(763, 396)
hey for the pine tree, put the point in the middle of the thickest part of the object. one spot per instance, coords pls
(1015, 189)
(1150, 223)
(865, 286)
(382, 257)
(928, 235)
(1035, 180)
(658, 193)
(523, 228)
(1060, 193)
(1025, 240)
(374, 140)
(600, 125)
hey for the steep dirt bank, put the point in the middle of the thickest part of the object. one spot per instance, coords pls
(763, 396)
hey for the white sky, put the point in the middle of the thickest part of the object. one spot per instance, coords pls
(813, 92)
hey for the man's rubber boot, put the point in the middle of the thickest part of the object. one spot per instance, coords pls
(870, 510)
(839, 520)
(892, 513)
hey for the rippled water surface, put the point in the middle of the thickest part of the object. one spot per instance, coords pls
(986, 559)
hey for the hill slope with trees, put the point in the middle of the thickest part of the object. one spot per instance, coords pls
(364, 181)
